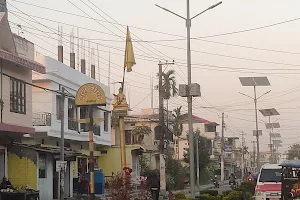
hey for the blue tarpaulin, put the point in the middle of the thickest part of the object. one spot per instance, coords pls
(291, 163)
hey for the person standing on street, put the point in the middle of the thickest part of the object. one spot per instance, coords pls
(154, 183)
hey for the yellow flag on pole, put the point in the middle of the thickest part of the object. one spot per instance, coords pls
(129, 55)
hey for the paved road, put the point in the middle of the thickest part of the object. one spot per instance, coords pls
(222, 188)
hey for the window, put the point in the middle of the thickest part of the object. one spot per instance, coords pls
(106, 115)
(210, 128)
(84, 113)
(42, 166)
(68, 144)
(17, 96)
(128, 137)
(58, 107)
(270, 175)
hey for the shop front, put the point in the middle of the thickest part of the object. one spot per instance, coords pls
(3, 162)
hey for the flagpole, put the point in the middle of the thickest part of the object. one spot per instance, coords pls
(125, 58)
(123, 79)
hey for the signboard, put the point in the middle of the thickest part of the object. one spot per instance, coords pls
(227, 148)
(90, 94)
(259, 133)
(61, 165)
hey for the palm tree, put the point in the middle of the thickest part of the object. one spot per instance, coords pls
(169, 84)
(177, 124)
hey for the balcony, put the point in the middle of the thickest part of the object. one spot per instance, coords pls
(72, 124)
(85, 128)
(41, 119)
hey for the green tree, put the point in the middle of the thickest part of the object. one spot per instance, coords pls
(169, 84)
(204, 154)
(177, 124)
(175, 173)
(294, 151)
(145, 164)
(141, 131)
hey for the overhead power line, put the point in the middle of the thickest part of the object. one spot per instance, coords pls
(165, 33)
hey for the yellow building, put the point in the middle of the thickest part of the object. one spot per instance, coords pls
(110, 160)
(136, 145)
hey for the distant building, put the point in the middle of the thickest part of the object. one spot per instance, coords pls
(206, 128)
(137, 145)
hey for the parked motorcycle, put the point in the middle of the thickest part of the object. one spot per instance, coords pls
(232, 185)
(215, 182)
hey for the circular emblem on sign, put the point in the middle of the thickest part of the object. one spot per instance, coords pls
(90, 94)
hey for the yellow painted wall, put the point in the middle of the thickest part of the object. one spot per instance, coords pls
(97, 155)
(111, 162)
(21, 171)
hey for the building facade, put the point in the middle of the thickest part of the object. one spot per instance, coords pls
(207, 129)
(137, 145)
(16, 66)
(46, 119)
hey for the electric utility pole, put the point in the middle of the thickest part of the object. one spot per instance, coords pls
(254, 152)
(198, 162)
(243, 153)
(62, 144)
(162, 127)
(222, 150)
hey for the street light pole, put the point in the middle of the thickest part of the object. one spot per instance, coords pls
(189, 96)
(256, 126)
(190, 103)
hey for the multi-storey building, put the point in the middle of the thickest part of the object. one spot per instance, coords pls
(47, 110)
(16, 66)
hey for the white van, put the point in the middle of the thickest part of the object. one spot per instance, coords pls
(269, 183)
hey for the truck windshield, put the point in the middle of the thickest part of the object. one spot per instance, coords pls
(270, 175)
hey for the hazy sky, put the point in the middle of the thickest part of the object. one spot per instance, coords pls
(218, 59)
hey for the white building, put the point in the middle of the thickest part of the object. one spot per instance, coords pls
(47, 121)
(206, 128)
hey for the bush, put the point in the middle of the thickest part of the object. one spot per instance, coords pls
(179, 196)
(225, 193)
(238, 195)
(234, 195)
(208, 197)
(247, 187)
(210, 192)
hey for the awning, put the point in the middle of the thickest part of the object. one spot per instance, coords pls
(70, 154)
(23, 62)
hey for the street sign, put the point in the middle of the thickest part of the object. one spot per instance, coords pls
(61, 165)
(259, 133)
(90, 94)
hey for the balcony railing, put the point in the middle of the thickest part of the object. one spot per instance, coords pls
(41, 119)
(85, 128)
(72, 124)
